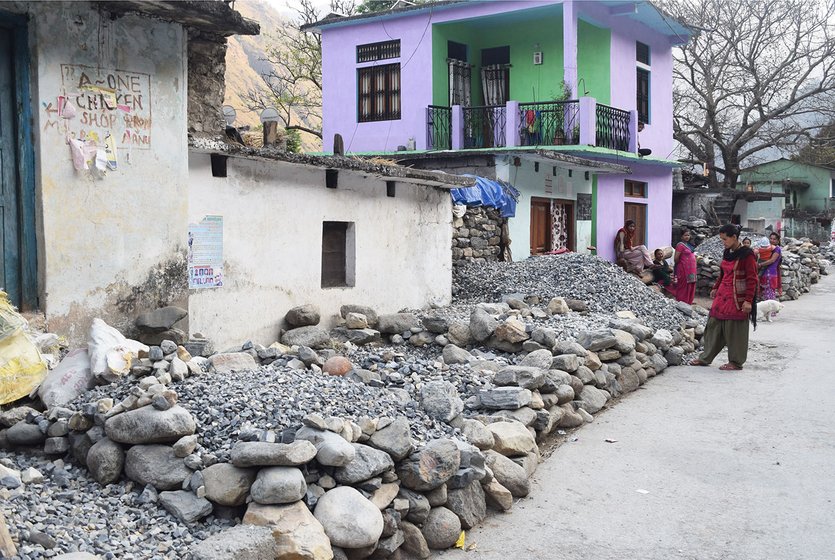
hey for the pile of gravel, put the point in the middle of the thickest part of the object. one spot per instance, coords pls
(240, 405)
(70, 512)
(606, 288)
(712, 246)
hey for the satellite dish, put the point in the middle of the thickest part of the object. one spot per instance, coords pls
(269, 115)
(229, 114)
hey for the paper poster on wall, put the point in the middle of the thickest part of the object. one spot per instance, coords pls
(205, 253)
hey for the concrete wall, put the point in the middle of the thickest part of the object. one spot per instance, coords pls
(110, 243)
(273, 214)
(689, 205)
(531, 183)
(610, 201)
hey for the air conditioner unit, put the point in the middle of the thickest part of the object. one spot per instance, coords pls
(537, 58)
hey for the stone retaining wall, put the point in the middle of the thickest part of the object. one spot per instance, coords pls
(479, 236)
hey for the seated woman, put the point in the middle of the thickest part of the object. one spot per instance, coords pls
(632, 258)
(661, 271)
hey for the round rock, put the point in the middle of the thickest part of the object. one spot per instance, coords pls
(349, 520)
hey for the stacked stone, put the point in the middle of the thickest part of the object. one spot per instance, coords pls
(802, 266)
(478, 235)
(699, 228)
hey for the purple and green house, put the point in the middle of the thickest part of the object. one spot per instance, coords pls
(553, 91)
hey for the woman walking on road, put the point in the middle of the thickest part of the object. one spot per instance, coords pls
(733, 304)
(685, 270)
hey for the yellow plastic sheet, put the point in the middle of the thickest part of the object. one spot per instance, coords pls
(22, 368)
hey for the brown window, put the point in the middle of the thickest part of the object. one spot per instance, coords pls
(378, 93)
(337, 254)
(378, 51)
(634, 189)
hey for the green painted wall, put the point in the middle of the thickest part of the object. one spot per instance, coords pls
(814, 198)
(528, 82)
(594, 61)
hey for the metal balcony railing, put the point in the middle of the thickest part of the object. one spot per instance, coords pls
(554, 123)
(439, 127)
(484, 127)
(612, 128)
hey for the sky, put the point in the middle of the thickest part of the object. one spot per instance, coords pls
(284, 6)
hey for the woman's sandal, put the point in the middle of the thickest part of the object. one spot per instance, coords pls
(698, 362)
(730, 367)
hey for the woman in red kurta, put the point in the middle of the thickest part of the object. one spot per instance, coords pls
(733, 303)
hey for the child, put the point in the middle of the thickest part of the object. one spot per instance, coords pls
(661, 271)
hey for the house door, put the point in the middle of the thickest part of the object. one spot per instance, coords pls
(638, 214)
(18, 268)
(540, 226)
(9, 230)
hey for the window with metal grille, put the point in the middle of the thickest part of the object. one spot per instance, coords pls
(634, 189)
(338, 254)
(378, 93)
(643, 95)
(378, 51)
(642, 52)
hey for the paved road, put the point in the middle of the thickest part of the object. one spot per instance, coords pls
(707, 464)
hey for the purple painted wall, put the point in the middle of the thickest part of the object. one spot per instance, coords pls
(339, 74)
(658, 134)
(610, 201)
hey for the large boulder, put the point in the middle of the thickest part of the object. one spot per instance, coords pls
(185, 506)
(349, 519)
(367, 464)
(414, 543)
(540, 359)
(477, 434)
(297, 533)
(310, 336)
(397, 323)
(303, 316)
(505, 398)
(441, 529)
(226, 484)
(592, 399)
(24, 434)
(597, 340)
(278, 485)
(468, 504)
(512, 331)
(156, 465)
(241, 542)
(440, 400)
(370, 315)
(229, 362)
(459, 334)
(508, 474)
(265, 454)
(527, 377)
(149, 425)
(332, 450)
(395, 439)
(105, 461)
(431, 466)
(512, 439)
(160, 319)
(452, 354)
(482, 324)
(625, 342)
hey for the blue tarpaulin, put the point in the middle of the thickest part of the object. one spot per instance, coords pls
(488, 192)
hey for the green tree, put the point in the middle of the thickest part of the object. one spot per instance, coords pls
(759, 75)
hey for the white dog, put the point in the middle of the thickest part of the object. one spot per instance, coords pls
(768, 308)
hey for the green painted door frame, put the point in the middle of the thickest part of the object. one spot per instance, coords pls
(17, 166)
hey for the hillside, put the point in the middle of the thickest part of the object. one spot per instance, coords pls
(244, 63)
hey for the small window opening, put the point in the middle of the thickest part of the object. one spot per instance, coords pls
(331, 178)
(536, 166)
(390, 188)
(338, 254)
(219, 165)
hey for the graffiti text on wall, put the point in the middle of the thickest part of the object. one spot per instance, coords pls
(109, 102)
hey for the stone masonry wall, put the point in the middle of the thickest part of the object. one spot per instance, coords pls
(479, 236)
(206, 85)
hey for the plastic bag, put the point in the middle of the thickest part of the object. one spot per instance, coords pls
(68, 380)
(111, 354)
(21, 367)
(10, 320)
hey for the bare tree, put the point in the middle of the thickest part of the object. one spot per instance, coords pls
(293, 85)
(759, 75)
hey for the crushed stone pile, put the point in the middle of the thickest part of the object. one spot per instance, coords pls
(602, 285)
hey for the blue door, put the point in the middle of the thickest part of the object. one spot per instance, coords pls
(18, 268)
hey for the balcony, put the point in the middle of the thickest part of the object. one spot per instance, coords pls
(577, 122)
